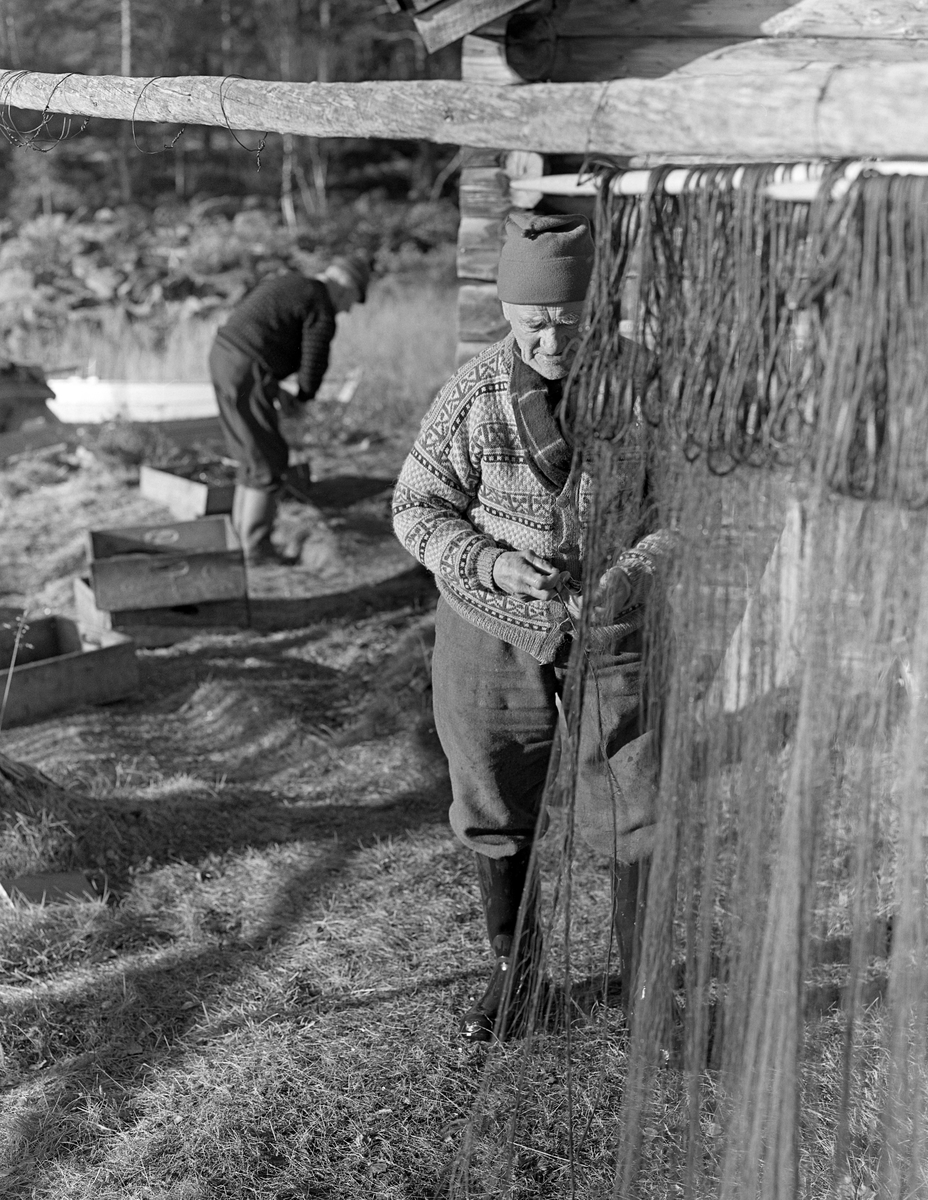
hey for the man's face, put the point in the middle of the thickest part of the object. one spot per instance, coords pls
(547, 335)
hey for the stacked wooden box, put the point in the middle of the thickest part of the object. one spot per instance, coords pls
(187, 498)
(162, 583)
(48, 667)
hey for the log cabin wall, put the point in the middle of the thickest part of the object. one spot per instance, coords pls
(567, 41)
(484, 202)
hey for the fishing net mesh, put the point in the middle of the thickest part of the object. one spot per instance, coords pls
(772, 361)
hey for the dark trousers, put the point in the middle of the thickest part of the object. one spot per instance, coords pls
(245, 393)
(496, 716)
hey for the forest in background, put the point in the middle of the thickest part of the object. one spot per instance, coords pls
(161, 224)
(301, 40)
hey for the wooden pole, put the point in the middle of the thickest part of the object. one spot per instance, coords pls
(799, 182)
(813, 112)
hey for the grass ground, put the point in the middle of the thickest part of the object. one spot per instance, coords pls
(263, 1004)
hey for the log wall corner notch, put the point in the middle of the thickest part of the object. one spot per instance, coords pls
(439, 24)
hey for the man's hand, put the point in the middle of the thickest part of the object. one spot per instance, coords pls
(612, 595)
(288, 405)
(524, 573)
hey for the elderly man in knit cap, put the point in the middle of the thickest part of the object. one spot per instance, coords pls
(489, 500)
(284, 325)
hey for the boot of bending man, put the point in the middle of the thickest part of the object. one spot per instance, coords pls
(490, 501)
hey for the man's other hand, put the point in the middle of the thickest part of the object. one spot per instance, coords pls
(524, 573)
(612, 595)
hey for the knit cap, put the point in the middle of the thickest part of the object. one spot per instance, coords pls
(545, 259)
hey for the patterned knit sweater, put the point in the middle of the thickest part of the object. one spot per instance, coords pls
(286, 324)
(469, 491)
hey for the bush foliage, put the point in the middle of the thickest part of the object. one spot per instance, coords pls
(195, 261)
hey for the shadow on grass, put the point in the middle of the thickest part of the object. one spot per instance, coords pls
(341, 491)
(143, 1019)
(139, 1017)
(415, 586)
(170, 678)
(189, 828)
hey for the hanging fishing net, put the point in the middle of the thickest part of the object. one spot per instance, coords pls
(768, 362)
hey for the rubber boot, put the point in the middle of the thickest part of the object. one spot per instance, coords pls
(630, 888)
(253, 512)
(503, 1008)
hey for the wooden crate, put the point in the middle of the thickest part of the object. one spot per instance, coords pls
(186, 498)
(56, 670)
(163, 566)
(49, 887)
(150, 627)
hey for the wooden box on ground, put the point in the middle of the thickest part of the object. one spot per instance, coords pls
(151, 627)
(186, 498)
(163, 566)
(49, 887)
(57, 670)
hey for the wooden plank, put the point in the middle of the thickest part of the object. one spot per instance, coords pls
(480, 317)
(523, 164)
(479, 243)
(778, 56)
(484, 60)
(37, 641)
(481, 156)
(90, 674)
(851, 19)
(163, 566)
(605, 58)
(152, 627)
(214, 533)
(167, 580)
(186, 498)
(484, 192)
(408, 5)
(599, 40)
(651, 58)
(803, 109)
(484, 200)
(49, 887)
(449, 20)
(669, 18)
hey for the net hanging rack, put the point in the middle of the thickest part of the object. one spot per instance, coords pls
(792, 182)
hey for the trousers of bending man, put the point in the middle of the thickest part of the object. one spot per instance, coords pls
(490, 499)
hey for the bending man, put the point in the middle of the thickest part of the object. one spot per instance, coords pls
(284, 325)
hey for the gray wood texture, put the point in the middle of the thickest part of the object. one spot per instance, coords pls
(449, 20)
(162, 566)
(74, 673)
(850, 18)
(187, 499)
(801, 101)
(151, 627)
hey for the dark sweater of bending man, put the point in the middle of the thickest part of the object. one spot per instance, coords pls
(286, 325)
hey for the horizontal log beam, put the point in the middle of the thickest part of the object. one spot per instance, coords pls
(850, 18)
(797, 109)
